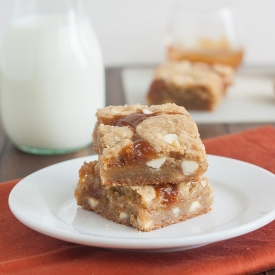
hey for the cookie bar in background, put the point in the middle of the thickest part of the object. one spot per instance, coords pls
(196, 86)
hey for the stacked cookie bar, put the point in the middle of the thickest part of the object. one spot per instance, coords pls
(149, 172)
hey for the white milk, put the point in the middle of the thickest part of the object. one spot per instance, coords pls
(52, 82)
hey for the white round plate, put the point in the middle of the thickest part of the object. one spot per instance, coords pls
(244, 201)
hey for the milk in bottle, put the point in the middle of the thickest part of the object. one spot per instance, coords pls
(51, 80)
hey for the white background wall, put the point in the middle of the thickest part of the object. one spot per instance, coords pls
(131, 31)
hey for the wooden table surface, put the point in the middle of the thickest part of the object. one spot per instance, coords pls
(16, 164)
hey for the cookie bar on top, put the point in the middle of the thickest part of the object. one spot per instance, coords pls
(144, 207)
(196, 86)
(141, 145)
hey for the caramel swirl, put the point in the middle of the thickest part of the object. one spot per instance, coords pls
(167, 193)
(140, 149)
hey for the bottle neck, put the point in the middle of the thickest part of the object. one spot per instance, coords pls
(24, 8)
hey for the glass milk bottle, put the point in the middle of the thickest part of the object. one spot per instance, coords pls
(51, 77)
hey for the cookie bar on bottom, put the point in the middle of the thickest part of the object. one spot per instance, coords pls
(144, 207)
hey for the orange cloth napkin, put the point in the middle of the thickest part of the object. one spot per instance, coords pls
(24, 251)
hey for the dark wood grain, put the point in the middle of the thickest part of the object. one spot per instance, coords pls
(114, 87)
(233, 128)
(211, 130)
(16, 164)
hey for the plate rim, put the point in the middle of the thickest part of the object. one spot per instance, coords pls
(142, 243)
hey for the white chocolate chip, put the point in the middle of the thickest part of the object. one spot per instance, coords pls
(148, 193)
(139, 221)
(184, 188)
(194, 206)
(145, 224)
(123, 215)
(189, 167)
(93, 202)
(156, 163)
(146, 112)
(176, 143)
(176, 210)
(203, 183)
(170, 138)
